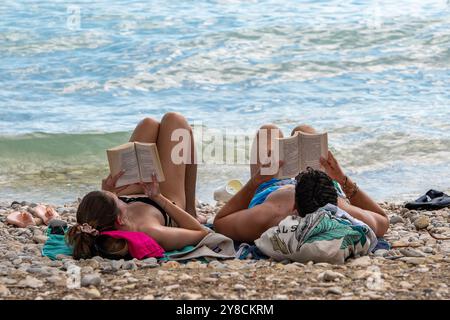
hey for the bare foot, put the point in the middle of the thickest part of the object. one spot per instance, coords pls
(20, 219)
(45, 213)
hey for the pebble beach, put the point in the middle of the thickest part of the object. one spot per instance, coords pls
(417, 267)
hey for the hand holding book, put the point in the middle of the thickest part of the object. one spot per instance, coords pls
(300, 151)
(332, 168)
(109, 183)
(139, 160)
(152, 189)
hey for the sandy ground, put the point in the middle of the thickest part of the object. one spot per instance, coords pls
(418, 268)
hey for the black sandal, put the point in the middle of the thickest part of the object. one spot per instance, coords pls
(432, 200)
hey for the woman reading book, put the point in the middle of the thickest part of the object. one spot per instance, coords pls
(164, 211)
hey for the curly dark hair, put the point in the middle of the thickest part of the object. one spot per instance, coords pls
(313, 190)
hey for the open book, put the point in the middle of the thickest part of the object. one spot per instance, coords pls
(300, 151)
(139, 160)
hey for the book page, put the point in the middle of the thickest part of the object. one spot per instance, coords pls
(149, 163)
(312, 147)
(289, 154)
(124, 158)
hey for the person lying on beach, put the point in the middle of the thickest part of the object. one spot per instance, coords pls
(165, 211)
(264, 201)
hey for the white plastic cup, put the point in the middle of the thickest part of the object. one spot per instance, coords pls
(226, 192)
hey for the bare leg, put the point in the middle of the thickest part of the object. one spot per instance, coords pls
(174, 186)
(146, 131)
(254, 165)
(191, 182)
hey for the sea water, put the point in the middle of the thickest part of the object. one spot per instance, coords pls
(75, 79)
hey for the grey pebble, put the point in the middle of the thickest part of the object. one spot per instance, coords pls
(91, 280)
(129, 265)
(410, 252)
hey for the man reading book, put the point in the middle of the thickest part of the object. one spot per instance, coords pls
(266, 200)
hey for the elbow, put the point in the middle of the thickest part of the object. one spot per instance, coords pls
(382, 226)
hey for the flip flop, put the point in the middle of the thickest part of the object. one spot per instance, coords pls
(46, 214)
(431, 200)
(20, 219)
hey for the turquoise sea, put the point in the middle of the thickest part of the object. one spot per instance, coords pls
(75, 78)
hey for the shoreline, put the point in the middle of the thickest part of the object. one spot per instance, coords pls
(420, 271)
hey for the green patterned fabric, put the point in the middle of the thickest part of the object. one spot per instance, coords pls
(331, 229)
(327, 235)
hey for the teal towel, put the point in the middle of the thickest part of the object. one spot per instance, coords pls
(186, 249)
(55, 245)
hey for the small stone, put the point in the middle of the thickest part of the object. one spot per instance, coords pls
(93, 263)
(8, 281)
(380, 253)
(422, 222)
(334, 290)
(190, 296)
(209, 280)
(410, 252)
(91, 280)
(428, 250)
(57, 280)
(399, 243)
(184, 277)
(129, 265)
(280, 297)
(150, 263)
(148, 297)
(216, 265)
(361, 262)
(330, 276)
(4, 291)
(40, 239)
(93, 293)
(172, 287)
(396, 219)
(117, 264)
(31, 282)
(240, 287)
(193, 265)
(170, 265)
(413, 260)
(292, 267)
(406, 285)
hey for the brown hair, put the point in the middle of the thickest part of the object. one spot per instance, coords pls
(99, 211)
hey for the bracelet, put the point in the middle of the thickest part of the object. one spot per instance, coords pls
(355, 190)
(344, 186)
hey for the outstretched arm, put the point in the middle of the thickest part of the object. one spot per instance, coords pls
(238, 222)
(361, 205)
(190, 231)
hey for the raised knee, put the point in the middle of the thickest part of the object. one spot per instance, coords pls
(148, 122)
(269, 126)
(173, 116)
(304, 128)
